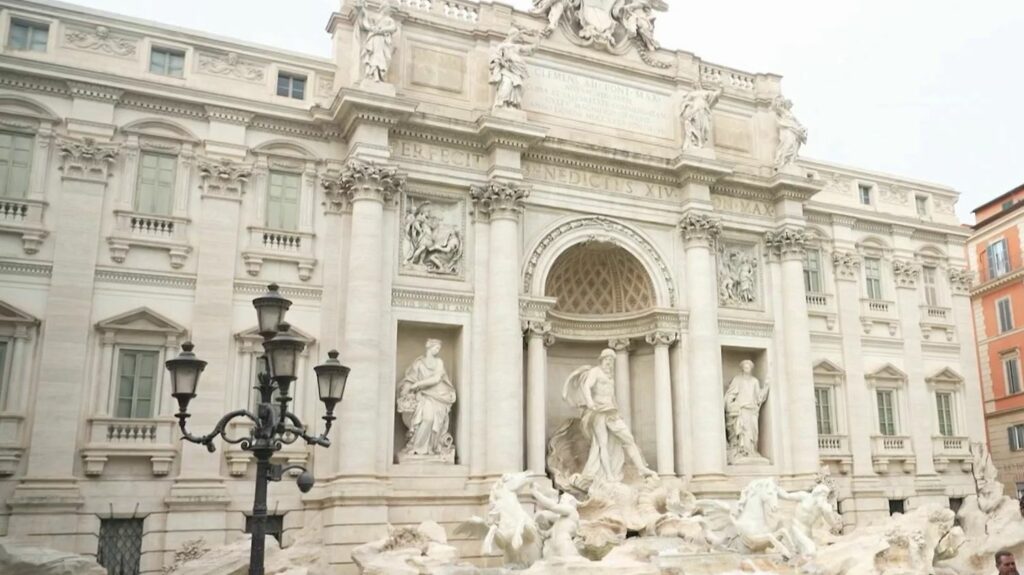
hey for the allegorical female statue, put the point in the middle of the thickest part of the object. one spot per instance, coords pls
(377, 43)
(508, 69)
(743, 400)
(792, 134)
(425, 399)
(697, 123)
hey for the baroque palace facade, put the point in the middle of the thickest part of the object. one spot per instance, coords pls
(520, 191)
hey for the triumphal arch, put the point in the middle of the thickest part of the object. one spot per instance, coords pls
(542, 242)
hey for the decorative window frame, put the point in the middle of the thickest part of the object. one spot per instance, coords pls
(25, 216)
(873, 192)
(248, 348)
(296, 247)
(51, 36)
(1005, 355)
(830, 375)
(108, 436)
(164, 232)
(889, 377)
(149, 44)
(21, 331)
(999, 323)
(308, 94)
(948, 381)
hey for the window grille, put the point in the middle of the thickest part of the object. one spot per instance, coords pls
(120, 546)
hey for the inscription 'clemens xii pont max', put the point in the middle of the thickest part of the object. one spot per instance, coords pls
(591, 100)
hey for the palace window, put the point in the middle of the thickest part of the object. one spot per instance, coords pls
(291, 86)
(897, 506)
(167, 62)
(1016, 433)
(1011, 371)
(944, 406)
(25, 35)
(886, 411)
(119, 547)
(283, 201)
(137, 371)
(155, 191)
(998, 259)
(873, 277)
(812, 271)
(865, 194)
(824, 410)
(15, 164)
(929, 276)
(921, 202)
(1004, 313)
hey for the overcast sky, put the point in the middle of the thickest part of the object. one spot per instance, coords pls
(928, 89)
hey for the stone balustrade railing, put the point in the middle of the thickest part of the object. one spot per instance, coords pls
(151, 227)
(935, 313)
(143, 438)
(819, 301)
(833, 445)
(720, 76)
(876, 307)
(949, 448)
(24, 218)
(279, 245)
(888, 448)
(460, 10)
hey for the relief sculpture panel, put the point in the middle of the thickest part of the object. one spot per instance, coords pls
(739, 275)
(433, 235)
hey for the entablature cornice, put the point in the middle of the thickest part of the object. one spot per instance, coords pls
(885, 223)
(353, 106)
(547, 154)
(496, 130)
(602, 328)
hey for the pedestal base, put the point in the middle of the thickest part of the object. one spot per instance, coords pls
(414, 459)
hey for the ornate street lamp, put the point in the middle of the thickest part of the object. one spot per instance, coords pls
(273, 428)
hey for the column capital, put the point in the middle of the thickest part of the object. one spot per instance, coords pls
(499, 199)
(362, 180)
(223, 177)
(621, 345)
(662, 338)
(700, 229)
(960, 280)
(536, 328)
(788, 242)
(846, 265)
(87, 158)
(905, 273)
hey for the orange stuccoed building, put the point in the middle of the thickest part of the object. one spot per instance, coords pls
(994, 253)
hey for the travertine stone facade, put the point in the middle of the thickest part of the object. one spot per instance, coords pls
(164, 181)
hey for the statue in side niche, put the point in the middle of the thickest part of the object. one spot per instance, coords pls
(425, 399)
(743, 400)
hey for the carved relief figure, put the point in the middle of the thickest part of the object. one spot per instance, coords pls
(637, 17)
(377, 32)
(430, 243)
(737, 277)
(792, 134)
(425, 399)
(697, 124)
(553, 11)
(508, 68)
(592, 390)
(743, 400)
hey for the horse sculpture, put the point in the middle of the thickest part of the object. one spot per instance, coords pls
(507, 527)
(751, 526)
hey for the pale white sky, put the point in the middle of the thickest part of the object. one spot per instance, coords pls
(928, 89)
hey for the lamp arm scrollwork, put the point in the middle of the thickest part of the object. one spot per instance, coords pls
(299, 430)
(218, 430)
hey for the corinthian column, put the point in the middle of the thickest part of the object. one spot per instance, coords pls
(707, 424)
(623, 389)
(663, 401)
(368, 186)
(504, 201)
(789, 245)
(538, 335)
(906, 274)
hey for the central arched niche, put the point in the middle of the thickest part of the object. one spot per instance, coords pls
(599, 278)
(600, 283)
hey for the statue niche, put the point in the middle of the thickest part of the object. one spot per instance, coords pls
(425, 399)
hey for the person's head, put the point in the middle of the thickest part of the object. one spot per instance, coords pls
(433, 346)
(747, 366)
(1006, 563)
(821, 490)
(608, 359)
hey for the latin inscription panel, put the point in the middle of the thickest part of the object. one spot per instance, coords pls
(589, 100)
(598, 181)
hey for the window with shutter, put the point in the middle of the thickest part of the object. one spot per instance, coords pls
(812, 271)
(1004, 311)
(929, 276)
(873, 277)
(155, 191)
(1011, 371)
(136, 381)
(283, 201)
(15, 164)
(823, 410)
(944, 404)
(886, 412)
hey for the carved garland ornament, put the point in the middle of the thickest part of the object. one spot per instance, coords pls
(961, 280)
(101, 40)
(611, 26)
(223, 176)
(87, 158)
(606, 225)
(846, 265)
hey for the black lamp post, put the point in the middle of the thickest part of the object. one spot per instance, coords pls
(273, 428)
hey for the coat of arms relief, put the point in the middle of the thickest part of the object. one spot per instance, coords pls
(613, 25)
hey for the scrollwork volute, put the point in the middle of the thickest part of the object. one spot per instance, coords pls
(845, 265)
(362, 180)
(790, 242)
(498, 199)
(700, 228)
(224, 176)
(621, 344)
(661, 338)
(87, 158)
(905, 273)
(960, 280)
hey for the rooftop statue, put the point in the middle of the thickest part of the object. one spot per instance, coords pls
(508, 68)
(609, 24)
(376, 31)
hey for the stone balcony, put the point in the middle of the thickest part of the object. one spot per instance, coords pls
(937, 320)
(878, 311)
(886, 449)
(130, 438)
(822, 305)
(835, 450)
(12, 444)
(946, 449)
(279, 245)
(24, 218)
(142, 230)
